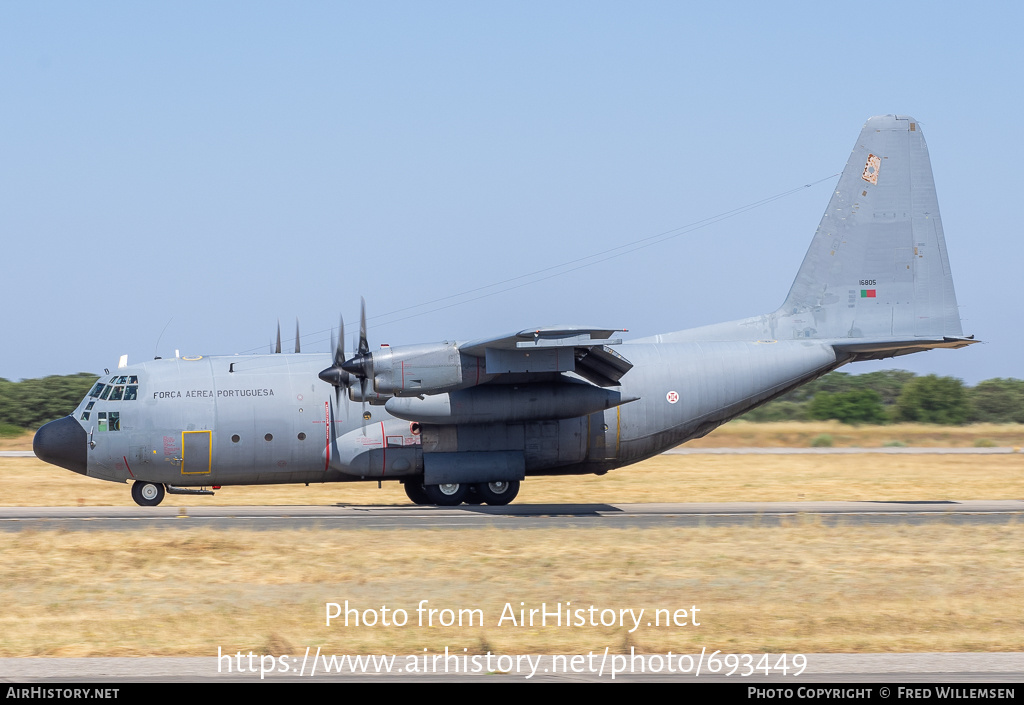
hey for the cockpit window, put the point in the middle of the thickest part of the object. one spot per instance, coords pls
(97, 389)
(133, 379)
(108, 420)
(131, 392)
(106, 392)
(122, 379)
(117, 394)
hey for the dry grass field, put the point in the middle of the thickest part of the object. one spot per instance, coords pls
(800, 588)
(743, 434)
(29, 482)
(797, 589)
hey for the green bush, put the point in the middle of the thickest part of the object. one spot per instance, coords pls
(998, 401)
(10, 430)
(853, 407)
(934, 399)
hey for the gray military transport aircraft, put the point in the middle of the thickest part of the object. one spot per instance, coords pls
(468, 421)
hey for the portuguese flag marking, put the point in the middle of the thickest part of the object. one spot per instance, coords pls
(867, 293)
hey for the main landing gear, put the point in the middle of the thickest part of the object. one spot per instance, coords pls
(450, 495)
(147, 494)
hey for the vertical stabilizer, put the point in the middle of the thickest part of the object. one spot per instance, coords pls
(877, 267)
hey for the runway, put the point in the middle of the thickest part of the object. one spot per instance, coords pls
(516, 516)
(1006, 668)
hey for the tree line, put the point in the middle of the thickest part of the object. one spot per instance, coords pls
(894, 396)
(30, 403)
(888, 396)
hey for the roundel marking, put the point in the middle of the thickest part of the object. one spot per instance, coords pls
(672, 397)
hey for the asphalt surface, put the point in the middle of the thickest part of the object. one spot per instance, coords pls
(818, 668)
(174, 514)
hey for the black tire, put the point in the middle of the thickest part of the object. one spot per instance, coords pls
(147, 494)
(498, 494)
(415, 492)
(449, 495)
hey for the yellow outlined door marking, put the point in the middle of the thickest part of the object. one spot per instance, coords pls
(196, 452)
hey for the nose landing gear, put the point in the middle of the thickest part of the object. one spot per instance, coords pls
(147, 494)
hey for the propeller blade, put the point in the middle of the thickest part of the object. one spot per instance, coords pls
(362, 394)
(331, 451)
(278, 348)
(364, 347)
(339, 350)
(297, 335)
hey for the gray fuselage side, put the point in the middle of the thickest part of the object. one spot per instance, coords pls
(265, 422)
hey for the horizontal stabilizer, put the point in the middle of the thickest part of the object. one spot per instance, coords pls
(881, 349)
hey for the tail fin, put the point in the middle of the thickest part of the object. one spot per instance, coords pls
(877, 268)
(875, 282)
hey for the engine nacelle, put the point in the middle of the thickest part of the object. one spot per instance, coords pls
(428, 368)
(509, 403)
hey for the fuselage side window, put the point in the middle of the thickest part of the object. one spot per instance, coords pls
(115, 421)
(85, 416)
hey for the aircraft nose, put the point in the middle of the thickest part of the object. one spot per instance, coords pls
(64, 443)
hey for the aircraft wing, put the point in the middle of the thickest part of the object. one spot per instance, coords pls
(585, 351)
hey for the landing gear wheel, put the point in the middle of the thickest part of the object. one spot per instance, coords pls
(448, 495)
(414, 491)
(472, 496)
(147, 494)
(498, 494)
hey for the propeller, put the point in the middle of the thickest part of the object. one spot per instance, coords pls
(335, 374)
(359, 366)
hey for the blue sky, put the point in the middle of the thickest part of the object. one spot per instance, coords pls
(204, 169)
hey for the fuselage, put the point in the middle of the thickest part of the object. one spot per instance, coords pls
(263, 419)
